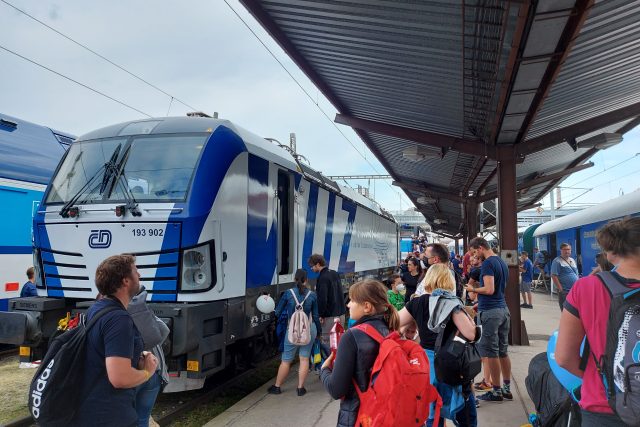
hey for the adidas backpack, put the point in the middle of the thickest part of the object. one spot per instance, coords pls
(54, 393)
(399, 392)
(619, 366)
(299, 329)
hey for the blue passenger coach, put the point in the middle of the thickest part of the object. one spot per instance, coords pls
(29, 155)
(216, 217)
(579, 229)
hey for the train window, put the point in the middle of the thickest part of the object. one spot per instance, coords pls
(83, 162)
(154, 168)
(285, 222)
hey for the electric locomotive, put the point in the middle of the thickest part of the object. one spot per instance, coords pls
(216, 217)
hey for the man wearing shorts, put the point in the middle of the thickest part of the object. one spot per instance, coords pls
(495, 320)
(526, 268)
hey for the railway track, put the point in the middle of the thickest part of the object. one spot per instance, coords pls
(8, 353)
(175, 413)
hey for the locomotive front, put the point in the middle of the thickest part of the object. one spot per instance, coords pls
(144, 188)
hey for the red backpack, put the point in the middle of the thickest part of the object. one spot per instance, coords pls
(399, 392)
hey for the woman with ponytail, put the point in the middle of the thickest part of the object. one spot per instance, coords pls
(357, 351)
(309, 301)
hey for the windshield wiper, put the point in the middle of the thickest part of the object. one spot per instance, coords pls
(119, 179)
(108, 172)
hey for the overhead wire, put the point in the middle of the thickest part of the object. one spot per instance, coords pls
(573, 186)
(98, 55)
(605, 183)
(306, 93)
(73, 80)
(606, 169)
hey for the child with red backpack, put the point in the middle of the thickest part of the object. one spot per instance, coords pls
(383, 380)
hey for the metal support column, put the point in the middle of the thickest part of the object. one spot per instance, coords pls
(471, 218)
(508, 232)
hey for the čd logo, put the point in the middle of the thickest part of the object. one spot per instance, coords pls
(100, 239)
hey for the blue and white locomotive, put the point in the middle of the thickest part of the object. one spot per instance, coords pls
(216, 217)
(30, 154)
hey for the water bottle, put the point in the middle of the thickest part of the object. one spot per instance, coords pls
(334, 336)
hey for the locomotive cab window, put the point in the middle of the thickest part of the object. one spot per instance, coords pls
(152, 168)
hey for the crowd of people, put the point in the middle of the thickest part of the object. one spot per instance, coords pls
(474, 285)
(433, 297)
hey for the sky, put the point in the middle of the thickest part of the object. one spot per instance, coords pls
(201, 53)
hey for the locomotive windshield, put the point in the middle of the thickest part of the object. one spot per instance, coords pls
(152, 168)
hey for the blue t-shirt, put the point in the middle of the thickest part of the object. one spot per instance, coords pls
(456, 265)
(113, 335)
(527, 274)
(496, 267)
(566, 270)
(28, 290)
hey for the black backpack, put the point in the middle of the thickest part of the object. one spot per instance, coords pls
(456, 360)
(619, 366)
(55, 391)
(554, 405)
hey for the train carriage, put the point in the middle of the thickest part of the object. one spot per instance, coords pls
(30, 154)
(216, 217)
(579, 229)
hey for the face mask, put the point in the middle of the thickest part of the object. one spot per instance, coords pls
(400, 288)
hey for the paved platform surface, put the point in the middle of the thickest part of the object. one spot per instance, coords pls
(317, 409)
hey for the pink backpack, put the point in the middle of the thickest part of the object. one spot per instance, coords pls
(299, 329)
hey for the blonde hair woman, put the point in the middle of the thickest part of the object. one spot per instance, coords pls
(439, 278)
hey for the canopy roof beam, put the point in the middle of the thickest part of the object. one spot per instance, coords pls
(466, 146)
(546, 178)
(582, 128)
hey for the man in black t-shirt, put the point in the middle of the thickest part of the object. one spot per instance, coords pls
(114, 360)
(331, 304)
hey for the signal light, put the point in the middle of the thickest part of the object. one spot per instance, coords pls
(74, 212)
(120, 210)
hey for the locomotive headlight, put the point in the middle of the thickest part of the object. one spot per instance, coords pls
(196, 269)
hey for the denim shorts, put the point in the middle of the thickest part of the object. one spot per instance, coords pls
(290, 350)
(495, 332)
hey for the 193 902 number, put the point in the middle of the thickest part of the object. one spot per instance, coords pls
(151, 232)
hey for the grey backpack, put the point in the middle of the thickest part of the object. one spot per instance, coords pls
(299, 329)
(619, 366)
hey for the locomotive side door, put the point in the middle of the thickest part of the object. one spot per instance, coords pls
(287, 227)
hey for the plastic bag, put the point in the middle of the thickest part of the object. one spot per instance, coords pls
(316, 355)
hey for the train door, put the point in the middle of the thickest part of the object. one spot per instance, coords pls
(577, 249)
(286, 226)
(589, 246)
(566, 236)
(553, 248)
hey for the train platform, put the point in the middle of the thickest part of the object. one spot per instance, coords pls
(318, 409)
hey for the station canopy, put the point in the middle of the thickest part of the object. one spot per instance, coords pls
(441, 91)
